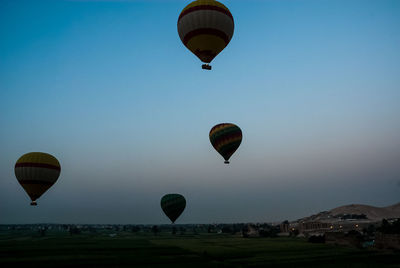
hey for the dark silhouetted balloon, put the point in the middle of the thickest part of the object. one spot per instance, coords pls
(205, 28)
(37, 172)
(226, 139)
(173, 205)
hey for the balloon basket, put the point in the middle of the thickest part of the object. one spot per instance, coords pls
(226, 162)
(33, 203)
(206, 67)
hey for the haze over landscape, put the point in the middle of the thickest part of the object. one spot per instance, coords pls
(108, 89)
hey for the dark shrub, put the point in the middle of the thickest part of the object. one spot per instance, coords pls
(316, 239)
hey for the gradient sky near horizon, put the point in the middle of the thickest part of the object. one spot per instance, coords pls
(108, 88)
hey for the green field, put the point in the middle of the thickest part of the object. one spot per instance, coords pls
(24, 249)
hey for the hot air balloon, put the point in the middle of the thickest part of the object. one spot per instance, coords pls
(205, 28)
(173, 205)
(37, 172)
(226, 138)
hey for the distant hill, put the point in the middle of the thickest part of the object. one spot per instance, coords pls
(372, 213)
(355, 210)
(395, 207)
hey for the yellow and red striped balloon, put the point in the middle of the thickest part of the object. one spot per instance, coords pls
(205, 28)
(226, 139)
(37, 172)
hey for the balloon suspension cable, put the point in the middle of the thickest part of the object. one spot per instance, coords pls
(206, 67)
(33, 203)
(226, 162)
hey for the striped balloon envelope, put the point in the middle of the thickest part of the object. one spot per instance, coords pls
(173, 205)
(37, 172)
(205, 28)
(226, 139)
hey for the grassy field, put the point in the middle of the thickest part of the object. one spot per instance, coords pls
(24, 249)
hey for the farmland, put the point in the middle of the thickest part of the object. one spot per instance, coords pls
(144, 249)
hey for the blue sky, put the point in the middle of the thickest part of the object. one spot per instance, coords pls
(109, 89)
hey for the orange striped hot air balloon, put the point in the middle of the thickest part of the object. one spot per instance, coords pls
(226, 139)
(205, 28)
(37, 172)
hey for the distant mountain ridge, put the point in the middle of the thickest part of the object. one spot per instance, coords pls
(372, 213)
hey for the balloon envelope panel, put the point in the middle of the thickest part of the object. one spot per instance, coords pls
(173, 205)
(37, 172)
